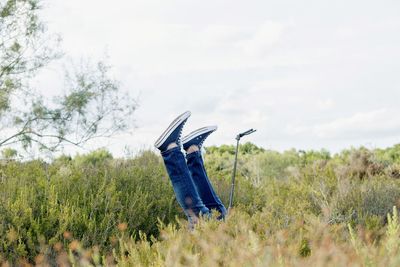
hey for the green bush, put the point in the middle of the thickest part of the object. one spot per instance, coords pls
(81, 199)
(94, 198)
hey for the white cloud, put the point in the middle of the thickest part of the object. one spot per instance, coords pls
(293, 70)
(376, 123)
(266, 36)
(325, 104)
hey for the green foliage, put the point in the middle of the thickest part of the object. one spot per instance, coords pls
(236, 243)
(91, 105)
(86, 197)
(391, 154)
(94, 158)
(305, 249)
(9, 153)
(393, 233)
(24, 47)
(293, 208)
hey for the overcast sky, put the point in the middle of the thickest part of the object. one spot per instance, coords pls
(305, 74)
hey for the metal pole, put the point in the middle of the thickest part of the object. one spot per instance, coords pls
(234, 174)
(235, 165)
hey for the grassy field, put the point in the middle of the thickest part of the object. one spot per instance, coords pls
(291, 209)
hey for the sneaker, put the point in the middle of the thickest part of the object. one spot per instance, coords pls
(197, 137)
(173, 133)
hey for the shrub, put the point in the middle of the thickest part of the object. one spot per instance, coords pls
(43, 202)
(290, 209)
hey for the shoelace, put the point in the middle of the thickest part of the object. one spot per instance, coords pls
(180, 133)
(202, 141)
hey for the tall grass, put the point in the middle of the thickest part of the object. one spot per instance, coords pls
(291, 209)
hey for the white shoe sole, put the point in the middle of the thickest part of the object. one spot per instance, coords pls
(172, 128)
(198, 132)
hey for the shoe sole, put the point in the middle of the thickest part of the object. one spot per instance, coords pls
(172, 128)
(198, 132)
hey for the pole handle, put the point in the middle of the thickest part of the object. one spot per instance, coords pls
(245, 133)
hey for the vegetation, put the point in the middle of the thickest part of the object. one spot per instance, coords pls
(293, 208)
(90, 106)
(296, 208)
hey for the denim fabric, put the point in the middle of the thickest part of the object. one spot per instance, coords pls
(182, 182)
(206, 191)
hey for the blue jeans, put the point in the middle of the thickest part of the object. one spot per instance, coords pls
(191, 184)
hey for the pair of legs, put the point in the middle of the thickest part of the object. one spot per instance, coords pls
(192, 187)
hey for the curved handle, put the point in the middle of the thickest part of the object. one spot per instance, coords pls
(245, 133)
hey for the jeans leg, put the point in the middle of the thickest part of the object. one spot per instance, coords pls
(206, 191)
(182, 182)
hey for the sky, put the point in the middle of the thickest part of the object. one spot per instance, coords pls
(305, 74)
